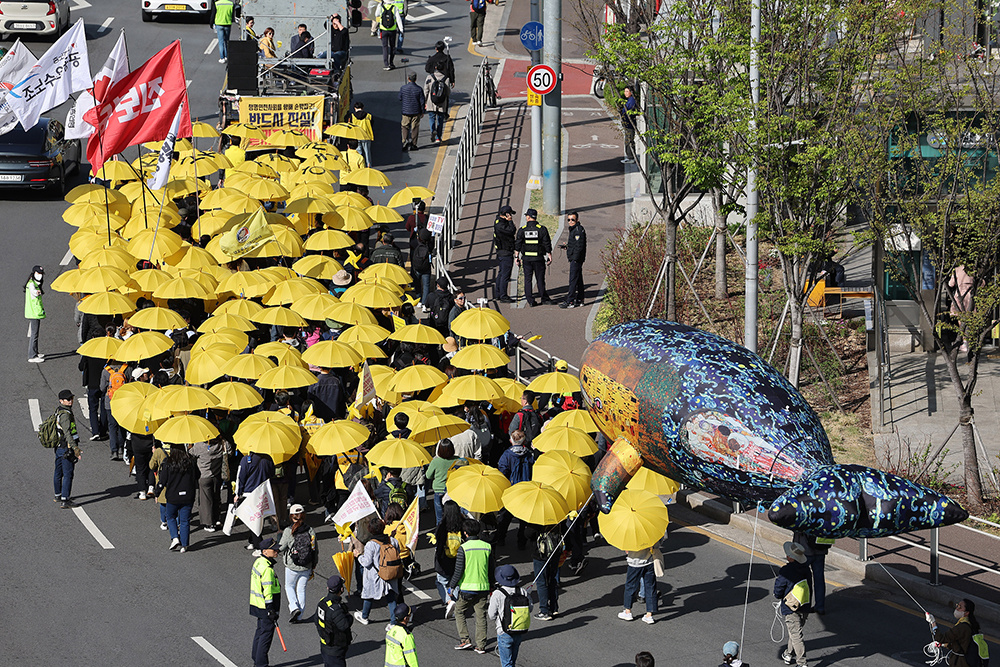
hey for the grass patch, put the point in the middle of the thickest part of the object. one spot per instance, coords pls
(850, 440)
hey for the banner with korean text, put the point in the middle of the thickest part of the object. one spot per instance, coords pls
(283, 113)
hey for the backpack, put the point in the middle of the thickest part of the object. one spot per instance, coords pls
(420, 258)
(390, 565)
(547, 544)
(977, 653)
(478, 5)
(48, 431)
(397, 494)
(530, 424)
(442, 306)
(515, 616)
(302, 549)
(439, 92)
(451, 545)
(388, 20)
(116, 378)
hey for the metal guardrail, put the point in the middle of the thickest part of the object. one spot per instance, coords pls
(463, 169)
(529, 357)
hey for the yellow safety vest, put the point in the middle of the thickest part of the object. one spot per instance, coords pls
(264, 586)
(475, 577)
(400, 649)
(800, 593)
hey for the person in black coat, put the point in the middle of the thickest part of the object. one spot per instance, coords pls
(576, 253)
(92, 369)
(440, 61)
(333, 623)
(328, 397)
(178, 480)
(504, 232)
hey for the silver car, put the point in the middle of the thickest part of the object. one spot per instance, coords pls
(37, 17)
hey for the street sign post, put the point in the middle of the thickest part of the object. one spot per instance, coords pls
(532, 36)
(541, 79)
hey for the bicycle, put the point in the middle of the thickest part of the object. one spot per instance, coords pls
(602, 74)
(491, 88)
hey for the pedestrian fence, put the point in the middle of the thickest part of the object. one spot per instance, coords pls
(934, 548)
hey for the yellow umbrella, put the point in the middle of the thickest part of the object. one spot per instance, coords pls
(408, 195)
(212, 199)
(279, 163)
(186, 429)
(234, 340)
(477, 488)
(128, 407)
(115, 170)
(266, 191)
(100, 348)
(115, 257)
(286, 243)
(352, 313)
(435, 427)
(345, 131)
(637, 521)
(347, 198)
(314, 306)
(368, 350)
(204, 276)
(310, 205)
(316, 148)
(206, 365)
(145, 345)
(248, 284)
(180, 145)
(94, 194)
(351, 219)
(371, 296)
(317, 267)
(158, 319)
(287, 291)
(418, 333)
(412, 379)
(417, 411)
(226, 321)
(196, 258)
(535, 503)
(512, 389)
(480, 357)
(473, 388)
(386, 271)
(286, 138)
(383, 375)
(279, 316)
(372, 178)
(187, 399)
(101, 279)
(86, 241)
(647, 480)
(84, 214)
(566, 473)
(398, 453)
(270, 433)
(278, 273)
(331, 354)
(147, 280)
(344, 560)
(286, 355)
(311, 189)
(580, 419)
(182, 288)
(242, 307)
(67, 281)
(155, 244)
(383, 214)
(248, 366)
(566, 438)
(368, 333)
(337, 437)
(328, 239)
(236, 396)
(200, 129)
(480, 324)
(245, 131)
(314, 164)
(107, 303)
(554, 383)
(253, 168)
(286, 377)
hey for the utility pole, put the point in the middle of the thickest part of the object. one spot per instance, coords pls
(750, 304)
(552, 110)
(534, 178)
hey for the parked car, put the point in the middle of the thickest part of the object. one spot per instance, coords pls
(153, 8)
(36, 17)
(40, 158)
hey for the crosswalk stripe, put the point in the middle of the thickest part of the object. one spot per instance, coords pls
(416, 591)
(36, 413)
(92, 528)
(214, 652)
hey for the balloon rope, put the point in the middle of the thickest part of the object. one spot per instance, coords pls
(901, 587)
(562, 539)
(746, 599)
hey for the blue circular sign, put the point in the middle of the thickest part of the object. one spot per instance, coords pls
(532, 35)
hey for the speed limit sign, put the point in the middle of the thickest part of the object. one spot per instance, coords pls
(541, 79)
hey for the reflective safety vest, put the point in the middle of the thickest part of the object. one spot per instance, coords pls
(532, 241)
(825, 540)
(398, 5)
(400, 649)
(475, 576)
(799, 596)
(264, 586)
(224, 12)
(381, 26)
(33, 308)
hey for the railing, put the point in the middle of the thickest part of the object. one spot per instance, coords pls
(935, 551)
(463, 169)
(883, 369)
(531, 360)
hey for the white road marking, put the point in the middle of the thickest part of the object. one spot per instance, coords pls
(432, 11)
(80, 4)
(214, 652)
(67, 258)
(106, 25)
(36, 413)
(212, 45)
(92, 527)
(593, 137)
(416, 591)
(84, 405)
(187, 83)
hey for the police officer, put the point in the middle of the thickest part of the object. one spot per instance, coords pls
(533, 251)
(504, 231)
(333, 622)
(66, 454)
(576, 253)
(400, 648)
(265, 600)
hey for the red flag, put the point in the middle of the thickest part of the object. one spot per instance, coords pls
(140, 107)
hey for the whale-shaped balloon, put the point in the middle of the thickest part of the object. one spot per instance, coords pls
(709, 413)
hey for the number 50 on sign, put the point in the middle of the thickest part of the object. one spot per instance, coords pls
(541, 79)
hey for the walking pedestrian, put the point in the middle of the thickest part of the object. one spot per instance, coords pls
(265, 600)
(254, 469)
(470, 585)
(210, 457)
(437, 93)
(387, 252)
(386, 22)
(576, 253)
(91, 369)
(333, 623)
(224, 11)
(447, 540)
(545, 562)
(373, 586)
(401, 7)
(113, 377)
(504, 233)
(178, 481)
(629, 111)
(533, 251)
(791, 587)
(363, 121)
(34, 311)
(412, 103)
(516, 464)
(400, 648)
(66, 454)
(437, 474)
(300, 554)
(510, 606)
(640, 573)
(420, 263)
(816, 549)
(477, 20)
(441, 61)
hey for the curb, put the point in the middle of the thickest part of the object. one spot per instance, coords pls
(870, 570)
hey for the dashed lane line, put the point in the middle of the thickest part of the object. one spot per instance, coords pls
(36, 413)
(92, 528)
(214, 652)
(416, 591)
(211, 46)
(67, 258)
(106, 25)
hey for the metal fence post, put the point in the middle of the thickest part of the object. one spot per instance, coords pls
(517, 364)
(935, 558)
(863, 549)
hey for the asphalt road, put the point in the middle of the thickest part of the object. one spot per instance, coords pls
(113, 595)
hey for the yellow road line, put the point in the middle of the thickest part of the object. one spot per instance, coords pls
(473, 51)
(442, 149)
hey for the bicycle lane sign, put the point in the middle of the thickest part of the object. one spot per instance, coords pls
(532, 36)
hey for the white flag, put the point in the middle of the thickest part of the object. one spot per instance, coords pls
(115, 68)
(257, 505)
(357, 506)
(14, 66)
(62, 71)
(159, 179)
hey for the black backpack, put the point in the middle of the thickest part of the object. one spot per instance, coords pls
(515, 616)
(442, 306)
(388, 20)
(302, 549)
(439, 92)
(420, 259)
(530, 424)
(547, 543)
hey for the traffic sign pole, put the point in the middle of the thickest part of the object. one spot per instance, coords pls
(552, 110)
(535, 177)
